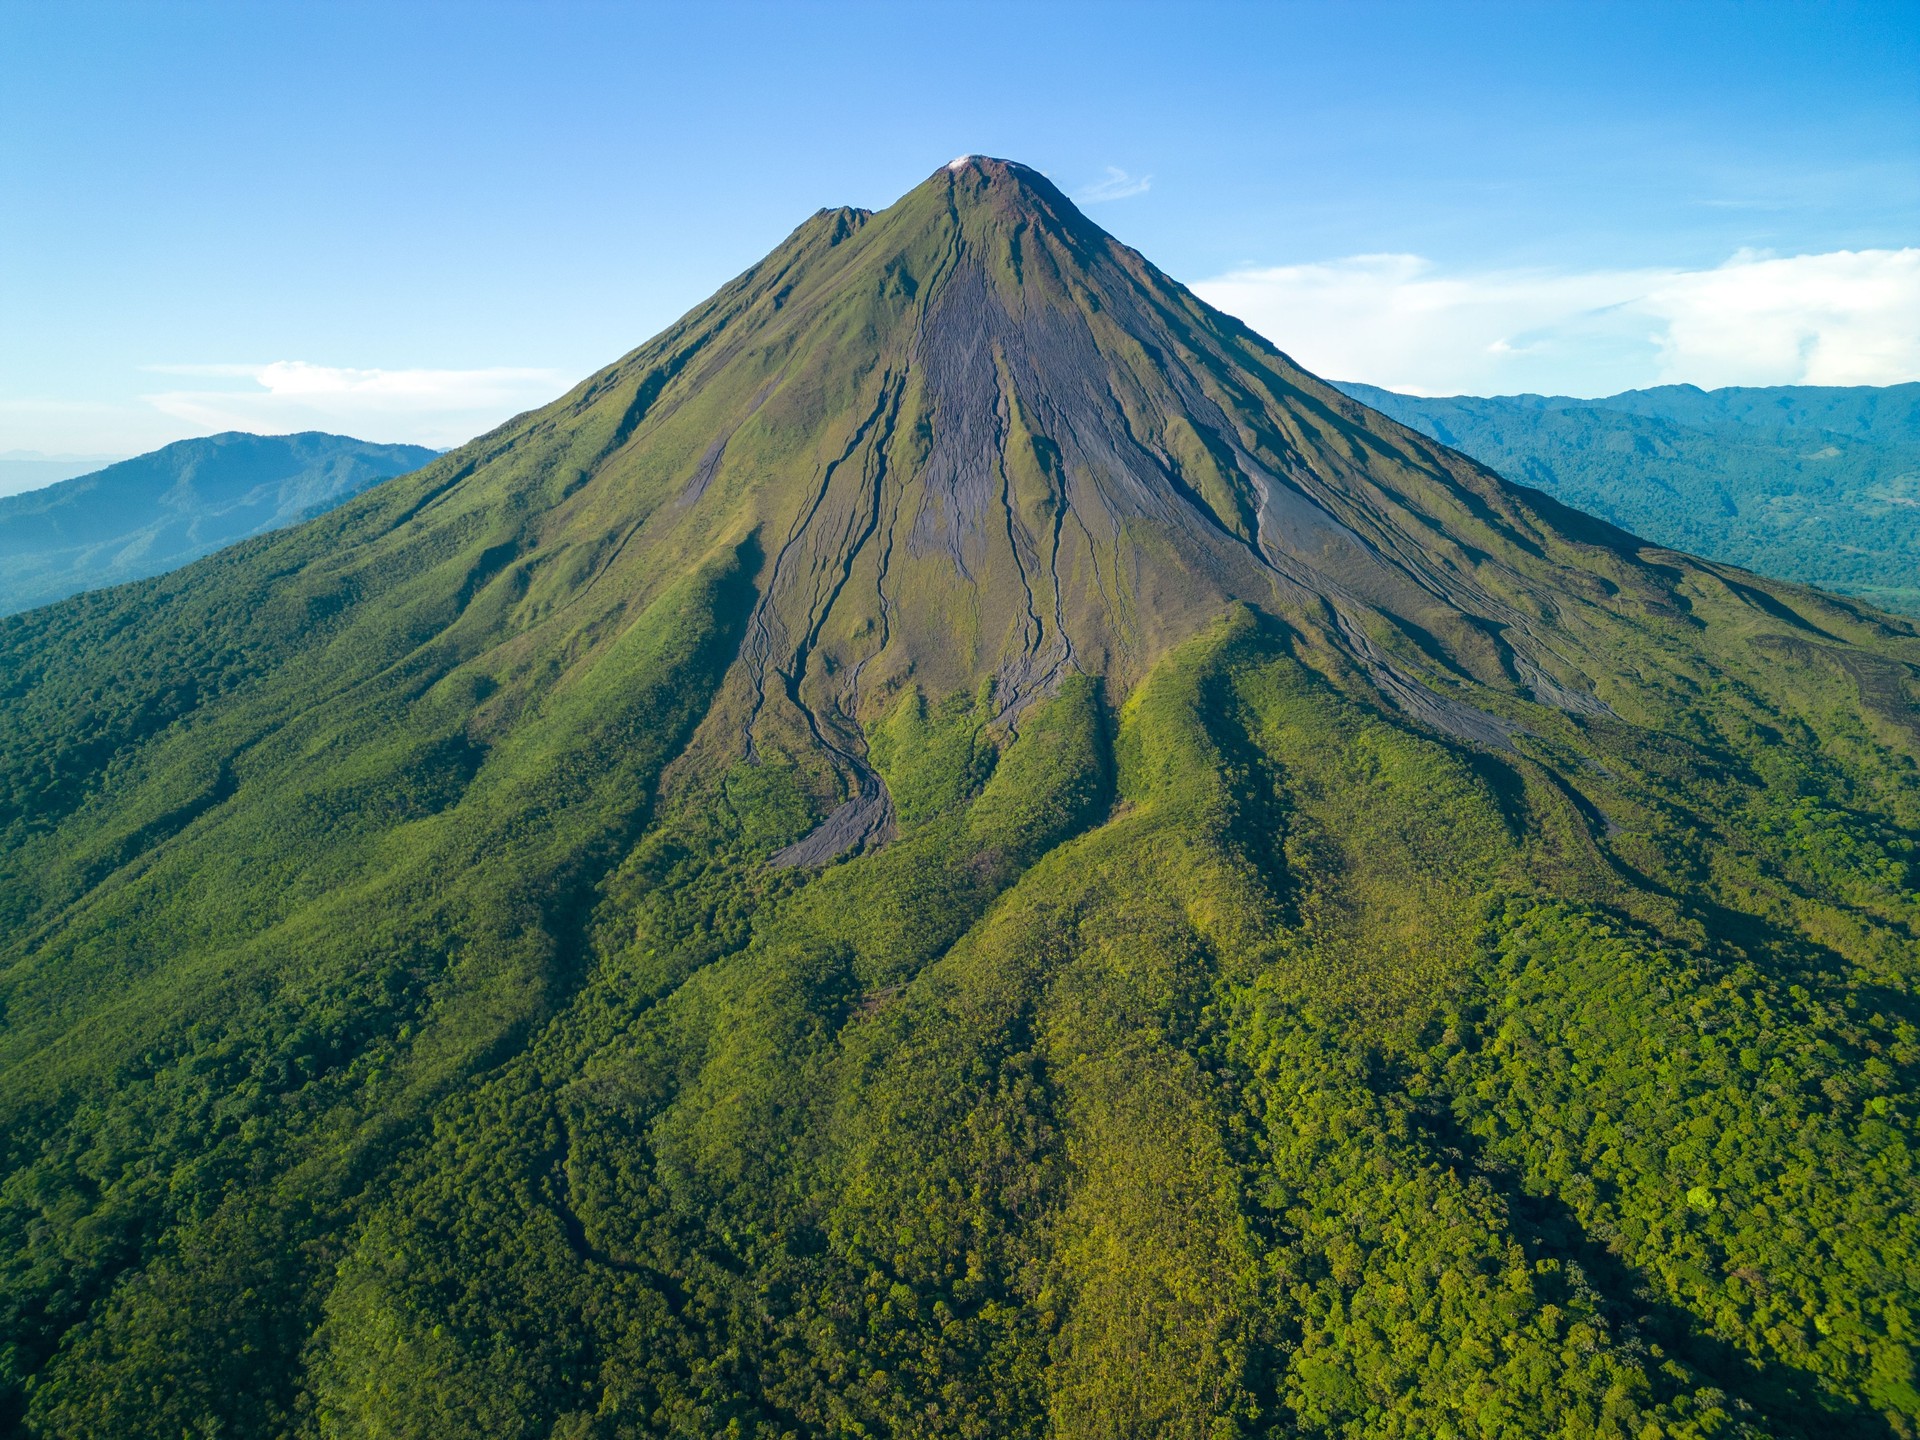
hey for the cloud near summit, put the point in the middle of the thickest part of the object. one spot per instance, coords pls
(1845, 317)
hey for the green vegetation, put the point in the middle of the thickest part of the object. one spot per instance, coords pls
(1391, 961)
(1815, 484)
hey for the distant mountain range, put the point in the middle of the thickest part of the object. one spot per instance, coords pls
(1811, 483)
(157, 511)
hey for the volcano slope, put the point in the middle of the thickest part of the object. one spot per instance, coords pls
(955, 846)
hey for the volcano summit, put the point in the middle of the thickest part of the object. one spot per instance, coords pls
(956, 846)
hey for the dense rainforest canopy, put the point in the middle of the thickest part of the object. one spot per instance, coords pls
(956, 847)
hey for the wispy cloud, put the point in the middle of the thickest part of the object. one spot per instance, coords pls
(1117, 186)
(1845, 317)
(435, 407)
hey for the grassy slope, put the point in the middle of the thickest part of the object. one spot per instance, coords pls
(403, 1034)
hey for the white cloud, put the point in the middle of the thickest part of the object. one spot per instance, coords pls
(1118, 185)
(432, 407)
(1851, 317)
(1847, 317)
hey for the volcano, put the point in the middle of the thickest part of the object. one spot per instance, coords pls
(957, 846)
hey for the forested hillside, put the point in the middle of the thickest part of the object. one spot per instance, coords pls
(1809, 483)
(956, 847)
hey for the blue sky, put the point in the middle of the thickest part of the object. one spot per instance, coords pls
(408, 220)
